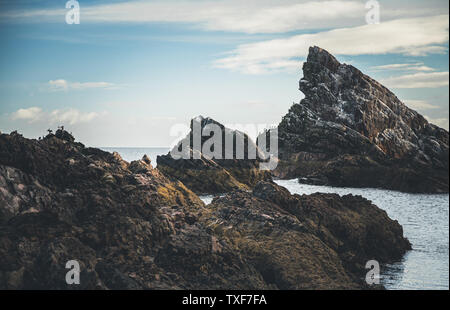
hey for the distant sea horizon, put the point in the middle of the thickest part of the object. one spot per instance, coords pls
(134, 153)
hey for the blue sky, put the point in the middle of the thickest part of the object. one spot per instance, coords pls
(131, 70)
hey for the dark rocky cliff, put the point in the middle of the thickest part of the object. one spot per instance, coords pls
(350, 130)
(130, 227)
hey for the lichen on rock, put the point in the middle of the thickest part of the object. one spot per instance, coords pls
(350, 130)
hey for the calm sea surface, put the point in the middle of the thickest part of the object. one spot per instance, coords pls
(425, 221)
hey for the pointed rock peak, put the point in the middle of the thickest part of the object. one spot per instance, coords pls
(323, 57)
(146, 159)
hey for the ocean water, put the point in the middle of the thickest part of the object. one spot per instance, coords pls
(425, 221)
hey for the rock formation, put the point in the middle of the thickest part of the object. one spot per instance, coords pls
(320, 241)
(130, 227)
(207, 175)
(350, 130)
(60, 201)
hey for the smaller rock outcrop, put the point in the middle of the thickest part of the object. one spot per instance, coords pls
(320, 241)
(212, 175)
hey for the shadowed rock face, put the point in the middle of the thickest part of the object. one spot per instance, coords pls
(207, 175)
(321, 241)
(130, 227)
(60, 201)
(350, 130)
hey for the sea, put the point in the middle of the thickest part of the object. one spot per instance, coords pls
(425, 221)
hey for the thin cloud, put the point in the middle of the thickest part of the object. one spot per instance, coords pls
(415, 36)
(420, 105)
(442, 122)
(31, 115)
(63, 85)
(419, 66)
(61, 116)
(71, 116)
(418, 80)
(250, 16)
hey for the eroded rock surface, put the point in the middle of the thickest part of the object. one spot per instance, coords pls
(130, 227)
(210, 175)
(321, 241)
(127, 225)
(350, 130)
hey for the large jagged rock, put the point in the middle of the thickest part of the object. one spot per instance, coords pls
(207, 175)
(130, 227)
(350, 130)
(321, 241)
(127, 225)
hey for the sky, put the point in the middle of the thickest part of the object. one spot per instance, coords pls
(131, 71)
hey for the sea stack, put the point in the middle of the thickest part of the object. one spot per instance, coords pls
(350, 130)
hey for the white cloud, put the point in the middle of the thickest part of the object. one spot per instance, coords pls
(418, 80)
(441, 122)
(64, 116)
(419, 105)
(412, 36)
(59, 85)
(71, 116)
(250, 16)
(32, 114)
(419, 66)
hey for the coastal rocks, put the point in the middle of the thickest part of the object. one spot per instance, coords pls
(126, 224)
(130, 227)
(321, 241)
(205, 174)
(350, 130)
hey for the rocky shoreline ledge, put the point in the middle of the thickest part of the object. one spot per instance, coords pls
(131, 227)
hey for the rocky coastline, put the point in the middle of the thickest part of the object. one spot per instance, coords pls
(132, 227)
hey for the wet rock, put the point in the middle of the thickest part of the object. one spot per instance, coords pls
(321, 241)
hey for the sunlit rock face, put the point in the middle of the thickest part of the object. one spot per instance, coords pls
(350, 130)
